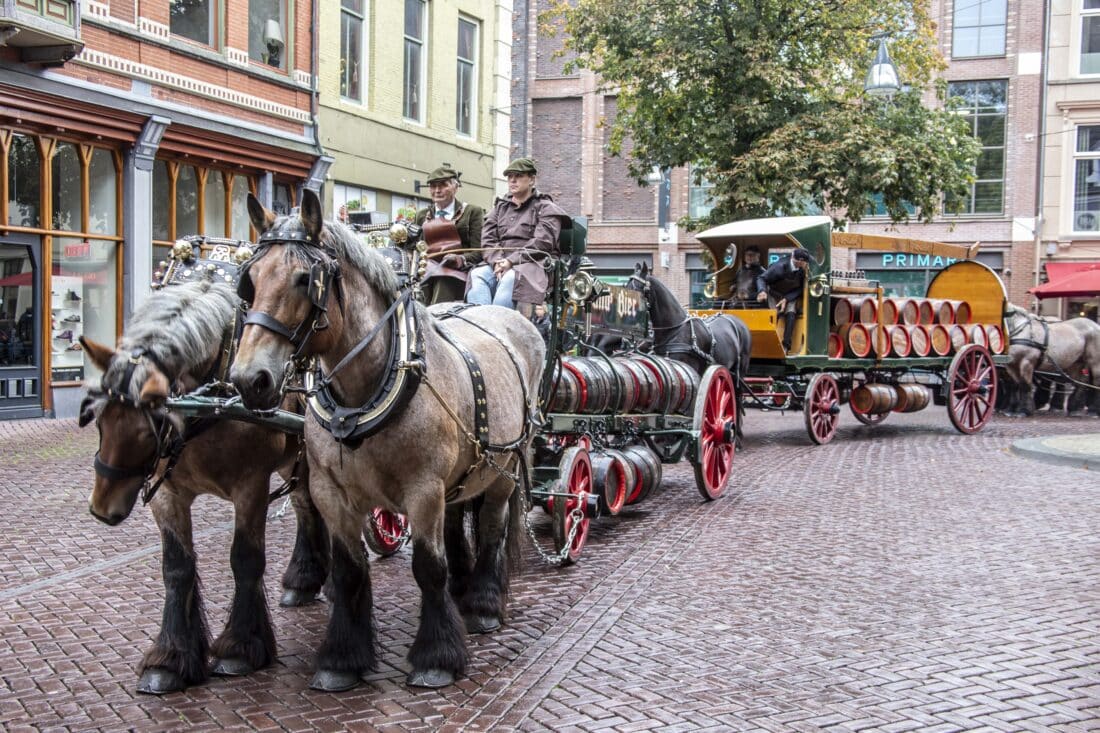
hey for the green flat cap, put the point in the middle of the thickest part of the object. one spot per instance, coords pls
(443, 173)
(522, 165)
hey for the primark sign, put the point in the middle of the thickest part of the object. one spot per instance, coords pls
(907, 261)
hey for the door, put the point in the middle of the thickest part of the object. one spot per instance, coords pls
(20, 327)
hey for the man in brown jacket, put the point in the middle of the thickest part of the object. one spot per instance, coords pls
(449, 224)
(520, 233)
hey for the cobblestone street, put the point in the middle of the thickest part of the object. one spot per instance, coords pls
(903, 577)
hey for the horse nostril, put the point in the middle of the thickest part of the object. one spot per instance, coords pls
(262, 382)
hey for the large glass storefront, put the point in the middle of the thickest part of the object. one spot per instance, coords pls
(903, 274)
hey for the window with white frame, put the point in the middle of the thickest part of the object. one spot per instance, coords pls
(347, 199)
(403, 208)
(194, 19)
(985, 106)
(979, 28)
(467, 77)
(352, 51)
(1090, 37)
(415, 53)
(1086, 180)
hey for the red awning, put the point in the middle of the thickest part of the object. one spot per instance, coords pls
(1070, 280)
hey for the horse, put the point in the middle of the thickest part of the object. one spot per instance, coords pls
(414, 410)
(698, 342)
(175, 343)
(1068, 347)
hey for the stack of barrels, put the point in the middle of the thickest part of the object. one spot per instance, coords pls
(623, 476)
(911, 327)
(623, 385)
(878, 399)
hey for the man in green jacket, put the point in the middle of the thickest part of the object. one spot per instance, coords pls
(452, 229)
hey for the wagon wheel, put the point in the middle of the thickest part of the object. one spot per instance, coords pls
(822, 408)
(867, 418)
(386, 532)
(971, 389)
(715, 428)
(570, 513)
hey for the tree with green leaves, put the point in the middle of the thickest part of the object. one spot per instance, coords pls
(764, 99)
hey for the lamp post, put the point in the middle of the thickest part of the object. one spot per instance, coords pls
(882, 79)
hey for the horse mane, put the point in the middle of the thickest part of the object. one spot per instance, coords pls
(667, 299)
(181, 326)
(373, 266)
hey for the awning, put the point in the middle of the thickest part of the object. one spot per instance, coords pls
(1070, 280)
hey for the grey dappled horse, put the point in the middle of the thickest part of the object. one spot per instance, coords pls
(1063, 347)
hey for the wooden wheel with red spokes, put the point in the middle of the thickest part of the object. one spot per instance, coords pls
(821, 406)
(715, 428)
(386, 532)
(570, 508)
(971, 389)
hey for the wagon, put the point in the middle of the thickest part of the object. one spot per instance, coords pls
(852, 343)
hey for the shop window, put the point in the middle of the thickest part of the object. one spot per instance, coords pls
(213, 204)
(240, 227)
(18, 334)
(162, 199)
(352, 51)
(194, 19)
(984, 105)
(24, 182)
(83, 296)
(979, 28)
(1090, 37)
(187, 202)
(415, 53)
(351, 199)
(1086, 180)
(403, 208)
(267, 32)
(467, 76)
(68, 214)
(102, 193)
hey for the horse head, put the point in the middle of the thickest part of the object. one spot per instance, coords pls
(134, 428)
(289, 296)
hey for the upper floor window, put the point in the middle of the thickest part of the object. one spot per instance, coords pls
(1086, 180)
(348, 200)
(194, 19)
(1090, 37)
(700, 198)
(352, 16)
(267, 32)
(467, 76)
(979, 28)
(415, 41)
(984, 105)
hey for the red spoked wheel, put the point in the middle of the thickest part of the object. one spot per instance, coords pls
(386, 532)
(971, 389)
(570, 508)
(867, 418)
(715, 429)
(822, 408)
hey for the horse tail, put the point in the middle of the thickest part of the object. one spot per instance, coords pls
(513, 543)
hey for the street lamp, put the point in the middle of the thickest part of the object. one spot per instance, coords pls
(882, 79)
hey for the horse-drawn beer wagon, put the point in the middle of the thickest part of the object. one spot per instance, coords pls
(853, 344)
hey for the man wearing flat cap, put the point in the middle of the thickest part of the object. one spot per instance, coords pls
(452, 231)
(520, 234)
(782, 285)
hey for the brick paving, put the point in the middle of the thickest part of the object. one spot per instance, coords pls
(904, 577)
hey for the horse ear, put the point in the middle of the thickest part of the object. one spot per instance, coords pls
(262, 219)
(99, 354)
(644, 269)
(155, 390)
(311, 214)
(87, 414)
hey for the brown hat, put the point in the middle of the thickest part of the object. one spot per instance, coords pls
(524, 166)
(443, 173)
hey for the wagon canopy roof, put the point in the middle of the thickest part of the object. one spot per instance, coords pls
(770, 232)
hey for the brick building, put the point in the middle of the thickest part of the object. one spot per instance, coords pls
(406, 85)
(124, 125)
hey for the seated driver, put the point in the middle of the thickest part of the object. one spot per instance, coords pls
(744, 284)
(782, 285)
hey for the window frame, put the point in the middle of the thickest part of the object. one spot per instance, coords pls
(1075, 156)
(364, 52)
(422, 82)
(980, 4)
(286, 8)
(475, 70)
(703, 185)
(974, 115)
(1083, 14)
(201, 174)
(216, 29)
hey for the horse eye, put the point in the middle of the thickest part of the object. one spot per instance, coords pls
(302, 279)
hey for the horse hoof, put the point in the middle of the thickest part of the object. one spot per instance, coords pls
(232, 667)
(432, 678)
(481, 624)
(160, 681)
(327, 680)
(293, 598)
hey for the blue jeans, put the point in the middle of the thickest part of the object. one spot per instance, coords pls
(486, 289)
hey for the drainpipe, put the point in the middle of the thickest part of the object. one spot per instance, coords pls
(1041, 140)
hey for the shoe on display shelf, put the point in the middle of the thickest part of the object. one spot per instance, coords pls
(75, 318)
(66, 335)
(73, 296)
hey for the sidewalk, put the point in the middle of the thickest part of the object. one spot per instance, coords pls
(1081, 451)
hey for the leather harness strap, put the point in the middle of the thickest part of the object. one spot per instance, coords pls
(481, 404)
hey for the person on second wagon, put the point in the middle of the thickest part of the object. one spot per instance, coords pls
(782, 285)
(744, 286)
(520, 234)
(449, 224)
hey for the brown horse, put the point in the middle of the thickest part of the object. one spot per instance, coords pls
(409, 413)
(1066, 348)
(174, 344)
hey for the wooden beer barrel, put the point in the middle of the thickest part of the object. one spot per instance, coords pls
(959, 337)
(939, 338)
(919, 340)
(567, 391)
(836, 346)
(912, 397)
(647, 469)
(976, 334)
(856, 338)
(900, 344)
(880, 344)
(609, 479)
(874, 399)
(908, 311)
(926, 314)
(868, 310)
(962, 312)
(891, 310)
(843, 311)
(995, 338)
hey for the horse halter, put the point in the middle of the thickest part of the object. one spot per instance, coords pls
(324, 276)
